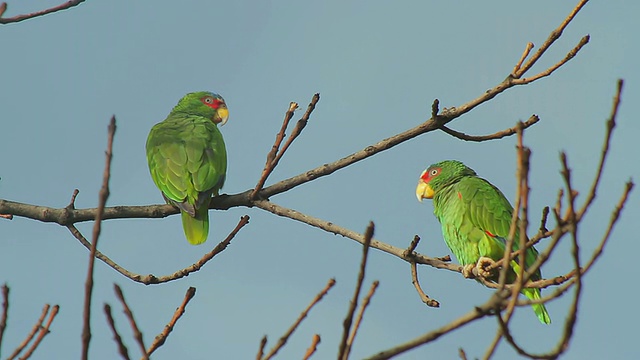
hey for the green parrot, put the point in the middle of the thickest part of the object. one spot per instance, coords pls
(475, 218)
(188, 160)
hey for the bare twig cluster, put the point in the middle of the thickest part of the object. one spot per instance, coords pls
(18, 18)
(39, 330)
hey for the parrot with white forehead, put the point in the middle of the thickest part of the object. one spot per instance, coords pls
(188, 159)
(475, 218)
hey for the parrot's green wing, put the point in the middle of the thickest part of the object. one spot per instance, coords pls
(188, 162)
(475, 218)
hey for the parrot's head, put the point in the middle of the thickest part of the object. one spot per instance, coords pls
(440, 175)
(205, 104)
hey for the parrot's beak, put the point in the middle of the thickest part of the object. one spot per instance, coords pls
(424, 191)
(223, 113)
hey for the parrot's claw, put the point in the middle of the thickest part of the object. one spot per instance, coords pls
(467, 271)
(485, 267)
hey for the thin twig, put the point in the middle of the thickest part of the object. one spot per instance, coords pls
(477, 313)
(274, 156)
(412, 247)
(102, 200)
(555, 35)
(122, 348)
(263, 344)
(570, 55)
(162, 337)
(44, 330)
(132, 321)
(461, 353)
(5, 312)
(611, 123)
(268, 166)
(17, 18)
(152, 279)
(499, 135)
(312, 348)
(31, 334)
(344, 348)
(424, 297)
(283, 339)
(614, 219)
(525, 53)
(363, 307)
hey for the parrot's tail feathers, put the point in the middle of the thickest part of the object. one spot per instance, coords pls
(196, 228)
(539, 309)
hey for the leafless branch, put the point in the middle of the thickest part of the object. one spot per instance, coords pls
(44, 330)
(525, 54)
(162, 337)
(124, 352)
(477, 313)
(611, 123)
(283, 339)
(312, 348)
(17, 18)
(5, 312)
(570, 55)
(263, 344)
(424, 297)
(37, 327)
(136, 331)
(274, 156)
(499, 135)
(102, 200)
(152, 279)
(555, 35)
(363, 307)
(345, 348)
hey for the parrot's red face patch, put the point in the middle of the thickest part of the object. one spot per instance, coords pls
(211, 102)
(430, 173)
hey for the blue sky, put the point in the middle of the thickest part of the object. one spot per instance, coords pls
(377, 67)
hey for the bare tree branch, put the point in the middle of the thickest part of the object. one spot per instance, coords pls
(122, 349)
(38, 326)
(345, 348)
(263, 344)
(5, 312)
(132, 321)
(555, 35)
(17, 18)
(611, 123)
(424, 297)
(477, 313)
(499, 135)
(102, 200)
(152, 279)
(44, 330)
(312, 348)
(283, 339)
(162, 337)
(363, 307)
(274, 156)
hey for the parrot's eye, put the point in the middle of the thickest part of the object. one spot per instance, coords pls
(434, 172)
(208, 100)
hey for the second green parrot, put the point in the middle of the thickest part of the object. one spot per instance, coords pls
(188, 159)
(475, 218)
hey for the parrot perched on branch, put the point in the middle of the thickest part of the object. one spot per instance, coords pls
(475, 218)
(188, 159)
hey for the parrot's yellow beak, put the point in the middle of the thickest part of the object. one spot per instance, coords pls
(424, 191)
(223, 114)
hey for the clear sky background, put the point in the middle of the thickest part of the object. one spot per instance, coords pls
(378, 66)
